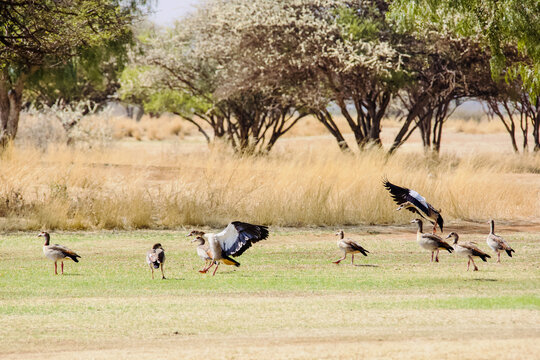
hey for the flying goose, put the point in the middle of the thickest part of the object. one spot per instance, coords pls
(57, 252)
(204, 253)
(430, 242)
(414, 202)
(468, 249)
(236, 238)
(155, 259)
(497, 243)
(348, 246)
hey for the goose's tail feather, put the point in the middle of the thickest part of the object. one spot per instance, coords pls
(228, 261)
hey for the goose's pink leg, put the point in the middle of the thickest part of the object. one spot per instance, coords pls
(214, 273)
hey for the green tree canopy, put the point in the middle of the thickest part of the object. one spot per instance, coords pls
(46, 34)
(498, 24)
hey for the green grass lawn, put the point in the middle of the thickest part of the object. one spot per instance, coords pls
(286, 295)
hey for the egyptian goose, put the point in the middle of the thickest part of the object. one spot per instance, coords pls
(468, 249)
(348, 246)
(414, 202)
(57, 252)
(497, 243)
(236, 238)
(204, 253)
(155, 258)
(431, 242)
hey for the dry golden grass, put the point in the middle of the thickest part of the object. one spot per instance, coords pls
(164, 127)
(126, 188)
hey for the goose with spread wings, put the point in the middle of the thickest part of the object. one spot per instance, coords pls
(236, 238)
(414, 202)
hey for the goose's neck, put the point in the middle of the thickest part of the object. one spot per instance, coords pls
(47, 239)
(420, 227)
(210, 238)
(492, 227)
(341, 235)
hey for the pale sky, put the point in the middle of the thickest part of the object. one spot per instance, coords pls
(167, 11)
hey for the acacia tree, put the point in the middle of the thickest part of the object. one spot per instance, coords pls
(509, 31)
(42, 34)
(497, 24)
(443, 72)
(205, 67)
(320, 52)
(517, 111)
(330, 51)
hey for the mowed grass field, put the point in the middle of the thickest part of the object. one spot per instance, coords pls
(286, 300)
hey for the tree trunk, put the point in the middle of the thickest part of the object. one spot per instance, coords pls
(326, 119)
(424, 124)
(536, 132)
(10, 109)
(442, 112)
(535, 119)
(10, 106)
(524, 125)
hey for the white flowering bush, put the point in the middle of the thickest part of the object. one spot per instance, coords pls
(77, 124)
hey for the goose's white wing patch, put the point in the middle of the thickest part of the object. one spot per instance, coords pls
(419, 198)
(238, 237)
(227, 238)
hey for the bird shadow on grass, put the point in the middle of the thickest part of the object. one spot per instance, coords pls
(71, 274)
(484, 280)
(226, 272)
(366, 265)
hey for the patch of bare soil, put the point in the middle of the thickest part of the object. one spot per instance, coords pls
(494, 344)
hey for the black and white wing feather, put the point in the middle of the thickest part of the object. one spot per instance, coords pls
(238, 237)
(402, 195)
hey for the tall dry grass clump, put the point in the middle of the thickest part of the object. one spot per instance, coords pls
(119, 188)
(151, 128)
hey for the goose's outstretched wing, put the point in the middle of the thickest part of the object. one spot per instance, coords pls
(238, 237)
(403, 195)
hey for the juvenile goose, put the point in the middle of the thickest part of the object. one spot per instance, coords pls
(468, 249)
(348, 246)
(430, 242)
(236, 238)
(57, 252)
(414, 202)
(204, 253)
(155, 259)
(497, 243)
